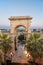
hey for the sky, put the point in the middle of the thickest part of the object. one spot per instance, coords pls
(33, 8)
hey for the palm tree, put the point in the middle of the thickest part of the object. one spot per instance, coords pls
(34, 46)
(5, 44)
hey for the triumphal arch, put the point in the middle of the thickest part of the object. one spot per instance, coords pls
(17, 21)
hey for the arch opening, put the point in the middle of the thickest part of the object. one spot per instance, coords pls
(20, 35)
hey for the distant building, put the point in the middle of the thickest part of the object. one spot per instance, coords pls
(42, 30)
(36, 30)
(4, 31)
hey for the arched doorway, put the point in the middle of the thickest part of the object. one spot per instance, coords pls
(20, 36)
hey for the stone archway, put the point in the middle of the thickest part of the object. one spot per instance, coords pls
(21, 34)
(15, 22)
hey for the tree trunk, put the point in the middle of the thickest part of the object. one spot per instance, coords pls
(5, 59)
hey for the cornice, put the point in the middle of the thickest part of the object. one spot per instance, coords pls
(20, 18)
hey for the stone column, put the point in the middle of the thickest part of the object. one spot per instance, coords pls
(28, 31)
(13, 45)
(12, 34)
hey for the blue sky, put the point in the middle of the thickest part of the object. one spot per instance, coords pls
(33, 8)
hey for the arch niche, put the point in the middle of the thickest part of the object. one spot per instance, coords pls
(17, 21)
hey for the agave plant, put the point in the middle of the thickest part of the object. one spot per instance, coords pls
(5, 44)
(35, 46)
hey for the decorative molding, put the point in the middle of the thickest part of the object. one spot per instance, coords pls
(20, 18)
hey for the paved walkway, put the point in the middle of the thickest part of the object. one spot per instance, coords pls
(19, 55)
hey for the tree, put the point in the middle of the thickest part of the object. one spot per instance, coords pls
(21, 37)
(35, 46)
(5, 44)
